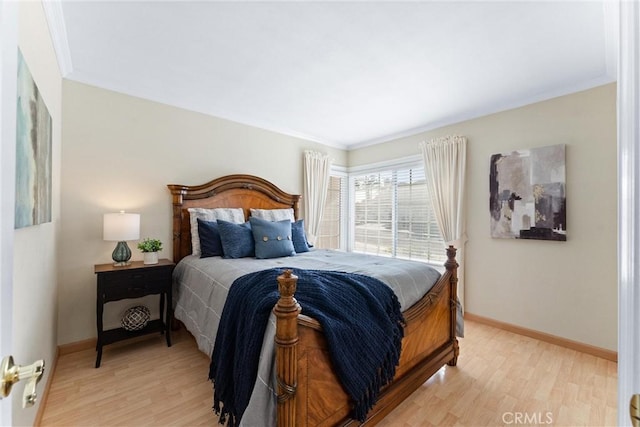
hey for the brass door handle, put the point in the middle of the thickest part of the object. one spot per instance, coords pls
(11, 373)
(634, 410)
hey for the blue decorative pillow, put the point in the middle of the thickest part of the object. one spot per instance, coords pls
(299, 237)
(210, 243)
(272, 238)
(237, 239)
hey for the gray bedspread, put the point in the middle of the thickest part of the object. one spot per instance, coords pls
(201, 286)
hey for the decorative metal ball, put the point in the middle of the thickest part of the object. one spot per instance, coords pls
(135, 318)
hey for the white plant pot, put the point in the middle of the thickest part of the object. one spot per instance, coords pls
(150, 257)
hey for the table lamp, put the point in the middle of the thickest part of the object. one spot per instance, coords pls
(120, 227)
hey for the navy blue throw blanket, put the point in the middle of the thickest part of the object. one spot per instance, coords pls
(360, 317)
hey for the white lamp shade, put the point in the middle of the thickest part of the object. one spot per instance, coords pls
(120, 227)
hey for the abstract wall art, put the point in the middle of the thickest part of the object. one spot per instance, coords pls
(33, 153)
(527, 194)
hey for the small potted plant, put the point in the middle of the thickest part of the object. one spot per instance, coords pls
(150, 249)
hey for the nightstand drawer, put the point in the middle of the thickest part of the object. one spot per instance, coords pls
(116, 291)
(135, 283)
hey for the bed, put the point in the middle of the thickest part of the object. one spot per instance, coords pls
(308, 390)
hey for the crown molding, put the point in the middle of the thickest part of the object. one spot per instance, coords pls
(611, 13)
(58, 32)
(490, 109)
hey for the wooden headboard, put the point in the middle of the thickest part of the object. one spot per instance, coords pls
(231, 191)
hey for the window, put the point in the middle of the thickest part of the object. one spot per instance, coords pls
(382, 210)
(393, 215)
(333, 219)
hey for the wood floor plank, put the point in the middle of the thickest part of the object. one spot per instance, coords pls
(500, 376)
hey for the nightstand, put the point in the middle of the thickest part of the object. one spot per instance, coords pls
(133, 281)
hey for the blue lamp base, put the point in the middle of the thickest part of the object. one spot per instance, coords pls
(121, 254)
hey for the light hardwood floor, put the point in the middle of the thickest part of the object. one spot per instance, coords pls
(501, 379)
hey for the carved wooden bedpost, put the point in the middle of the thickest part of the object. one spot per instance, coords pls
(177, 192)
(286, 312)
(452, 266)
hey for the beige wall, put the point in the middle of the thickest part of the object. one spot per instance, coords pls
(120, 152)
(568, 289)
(36, 247)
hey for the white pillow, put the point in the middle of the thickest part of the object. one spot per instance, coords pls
(235, 215)
(273, 214)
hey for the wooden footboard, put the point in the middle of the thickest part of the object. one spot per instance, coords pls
(310, 394)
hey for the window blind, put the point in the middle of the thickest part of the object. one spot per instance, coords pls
(394, 217)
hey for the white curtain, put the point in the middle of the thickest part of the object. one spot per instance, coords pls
(317, 168)
(445, 165)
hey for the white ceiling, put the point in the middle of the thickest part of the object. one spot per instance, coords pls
(346, 74)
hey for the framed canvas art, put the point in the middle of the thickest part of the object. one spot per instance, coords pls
(33, 153)
(527, 194)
